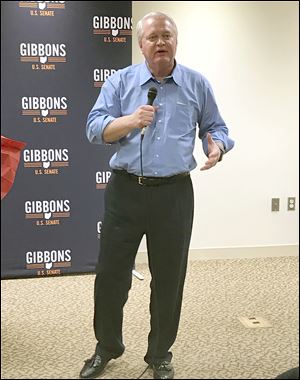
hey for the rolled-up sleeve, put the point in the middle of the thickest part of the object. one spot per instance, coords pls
(106, 109)
(212, 122)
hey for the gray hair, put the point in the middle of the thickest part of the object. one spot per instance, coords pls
(139, 25)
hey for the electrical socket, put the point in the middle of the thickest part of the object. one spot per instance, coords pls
(291, 203)
(275, 204)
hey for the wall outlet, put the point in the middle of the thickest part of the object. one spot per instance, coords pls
(291, 204)
(275, 204)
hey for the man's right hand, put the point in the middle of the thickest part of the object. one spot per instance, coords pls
(123, 125)
(143, 116)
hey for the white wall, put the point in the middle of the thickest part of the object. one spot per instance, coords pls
(249, 53)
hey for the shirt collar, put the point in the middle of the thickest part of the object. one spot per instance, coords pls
(145, 74)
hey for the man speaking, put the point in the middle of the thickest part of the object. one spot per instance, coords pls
(152, 112)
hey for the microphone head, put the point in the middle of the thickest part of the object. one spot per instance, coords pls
(152, 92)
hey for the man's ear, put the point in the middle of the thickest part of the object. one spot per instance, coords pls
(141, 48)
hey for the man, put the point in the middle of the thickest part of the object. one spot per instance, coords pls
(150, 191)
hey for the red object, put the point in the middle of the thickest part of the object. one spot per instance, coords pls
(10, 158)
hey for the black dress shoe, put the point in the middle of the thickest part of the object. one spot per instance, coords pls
(163, 370)
(93, 367)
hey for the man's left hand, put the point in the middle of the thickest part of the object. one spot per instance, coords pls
(214, 153)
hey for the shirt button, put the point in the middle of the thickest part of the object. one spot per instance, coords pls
(157, 155)
(159, 121)
(158, 138)
(160, 104)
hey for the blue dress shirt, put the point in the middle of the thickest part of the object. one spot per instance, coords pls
(185, 101)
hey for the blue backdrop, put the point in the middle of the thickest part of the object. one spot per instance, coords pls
(55, 57)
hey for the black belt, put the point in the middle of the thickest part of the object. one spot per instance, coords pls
(152, 181)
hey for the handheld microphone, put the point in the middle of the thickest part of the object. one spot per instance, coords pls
(152, 92)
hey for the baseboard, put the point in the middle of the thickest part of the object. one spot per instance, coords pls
(234, 253)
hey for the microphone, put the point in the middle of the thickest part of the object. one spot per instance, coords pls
(152, 92)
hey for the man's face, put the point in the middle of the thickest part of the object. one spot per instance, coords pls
(159, 42)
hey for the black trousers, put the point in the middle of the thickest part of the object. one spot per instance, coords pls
(165, 214)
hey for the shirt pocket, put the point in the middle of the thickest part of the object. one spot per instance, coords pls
(183, 117)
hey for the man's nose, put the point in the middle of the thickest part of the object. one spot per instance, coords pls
(160, 41)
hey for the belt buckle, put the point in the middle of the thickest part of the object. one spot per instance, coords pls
(140, 180)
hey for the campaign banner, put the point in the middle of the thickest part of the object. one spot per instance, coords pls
(55, 57)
